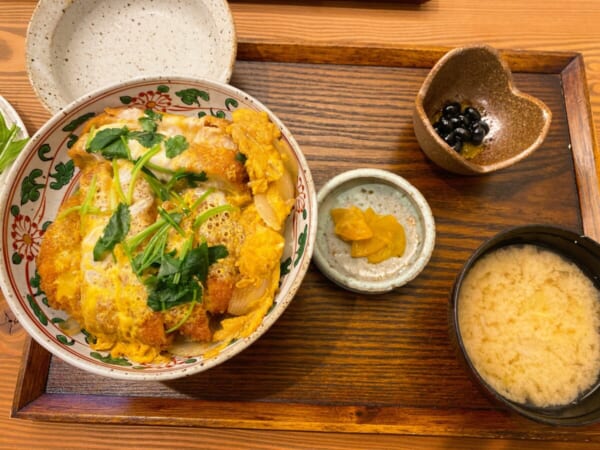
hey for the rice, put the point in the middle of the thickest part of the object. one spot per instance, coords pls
(530, 323)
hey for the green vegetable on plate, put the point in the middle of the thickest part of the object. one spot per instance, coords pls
(10, 147)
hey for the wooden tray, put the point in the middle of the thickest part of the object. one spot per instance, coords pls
(338, 361)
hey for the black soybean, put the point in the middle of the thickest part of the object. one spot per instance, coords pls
(451, 109)
(463, 133)
(485, 126)
(472, 113)
(457, 126)
(450, 139)
(477, 135)
(445, 125)
(465, 120)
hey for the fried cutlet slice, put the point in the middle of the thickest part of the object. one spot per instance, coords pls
(210, 148)
(58, 260)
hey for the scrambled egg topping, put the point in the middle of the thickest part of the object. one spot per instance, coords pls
(175, 233)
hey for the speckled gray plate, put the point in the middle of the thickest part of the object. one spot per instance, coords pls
(77, 46)
(386, 193)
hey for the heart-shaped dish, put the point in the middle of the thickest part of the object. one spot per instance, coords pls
(477, 76)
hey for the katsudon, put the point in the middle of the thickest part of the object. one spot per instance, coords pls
(175, 233)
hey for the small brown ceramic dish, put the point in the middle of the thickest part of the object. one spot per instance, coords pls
(477, 76)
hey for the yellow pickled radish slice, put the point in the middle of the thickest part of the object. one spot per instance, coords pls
(350, 224)
(373, 236)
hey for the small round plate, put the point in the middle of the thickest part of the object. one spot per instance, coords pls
(77, 46)
(386, 193)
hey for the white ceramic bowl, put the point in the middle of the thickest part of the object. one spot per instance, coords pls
(43, 176)
(386, 193)
(74, 47)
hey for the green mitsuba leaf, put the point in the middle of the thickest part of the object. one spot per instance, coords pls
(147, 138)
(175, 145)
(115, 231)
(109, 143)
(179, 280)
(191, 177)
(149, 121)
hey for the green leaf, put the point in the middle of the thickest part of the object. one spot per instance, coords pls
(190, 96)
(151, 114)
(239, 156)
(72, 125)
(109, 142)
(146, 138)
(191, 177)
(172, 219)
(162, 88)
(15, 210)
(159, 189)
(153, 251)
(149, 120)
(166, 296)
(175, 145)
(115, 231)
(137, 168)
(179, 280)
(125, 99)
(201, 218)
(9, 147)
(217, 252)
(64, 173)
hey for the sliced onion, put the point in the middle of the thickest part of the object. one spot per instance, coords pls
(243, 298)
(70, 327)
(286, 186)
(266, 212)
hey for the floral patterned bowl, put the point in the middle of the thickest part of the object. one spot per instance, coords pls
(43, 177)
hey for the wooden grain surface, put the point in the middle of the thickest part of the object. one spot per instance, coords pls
(533, 25)
(341, 361)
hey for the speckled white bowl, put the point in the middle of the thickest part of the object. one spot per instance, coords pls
(386, 193)
(77, 46)
(43, 176)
